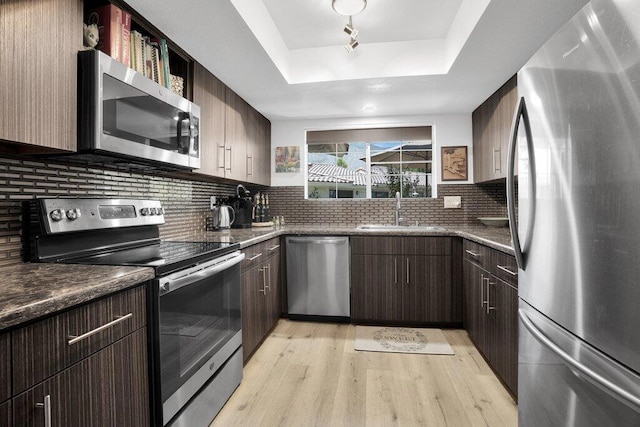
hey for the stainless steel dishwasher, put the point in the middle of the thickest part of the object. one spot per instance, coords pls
(318, 276)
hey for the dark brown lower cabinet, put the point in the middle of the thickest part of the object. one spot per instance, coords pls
(401, 288)
(260, 300)
(108, 388)
(376, 289)
(5, 367)
(5, 414)
(490, 308)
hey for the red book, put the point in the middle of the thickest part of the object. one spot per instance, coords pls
(126, 39)
(109, 21)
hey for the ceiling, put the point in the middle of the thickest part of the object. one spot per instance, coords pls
(416, 57)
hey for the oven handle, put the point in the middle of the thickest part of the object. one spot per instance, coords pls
(169, 284)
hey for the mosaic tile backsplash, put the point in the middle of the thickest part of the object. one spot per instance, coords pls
(478, 200)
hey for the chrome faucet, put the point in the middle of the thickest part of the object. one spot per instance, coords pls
(398, 207)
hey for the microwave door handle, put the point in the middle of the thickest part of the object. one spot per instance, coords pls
(193, 134)
(183, 117)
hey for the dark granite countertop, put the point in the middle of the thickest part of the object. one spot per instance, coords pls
(32, 290)
(498, 238)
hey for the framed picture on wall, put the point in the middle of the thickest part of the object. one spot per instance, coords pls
(287, 159)
(454, 163)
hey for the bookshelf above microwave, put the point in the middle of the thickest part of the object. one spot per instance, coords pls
(125, 115)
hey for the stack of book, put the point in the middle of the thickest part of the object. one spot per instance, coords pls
(146, 55)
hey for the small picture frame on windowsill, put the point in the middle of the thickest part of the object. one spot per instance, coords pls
(454, 163)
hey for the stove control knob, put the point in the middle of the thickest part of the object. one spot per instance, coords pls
(73, 213)
(160, 211)
(57, 215)
(144, 211)
(152, 211)
(164, 288)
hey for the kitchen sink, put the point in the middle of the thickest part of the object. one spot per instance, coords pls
(391, 227)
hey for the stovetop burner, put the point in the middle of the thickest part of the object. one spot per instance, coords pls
(165, 257)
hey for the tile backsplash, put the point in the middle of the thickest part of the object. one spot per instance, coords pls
(478, 200)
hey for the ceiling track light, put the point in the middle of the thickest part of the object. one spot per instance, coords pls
(349, 7)
(350, 47)
(349, 29)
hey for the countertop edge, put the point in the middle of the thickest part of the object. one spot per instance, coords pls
(480, 235)
(69, 298)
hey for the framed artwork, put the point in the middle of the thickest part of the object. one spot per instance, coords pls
(287, 159)
(454, 163)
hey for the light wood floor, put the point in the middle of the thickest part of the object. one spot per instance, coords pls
(308, 374)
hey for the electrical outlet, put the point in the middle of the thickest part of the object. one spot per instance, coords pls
(212, 202)
(452, 202)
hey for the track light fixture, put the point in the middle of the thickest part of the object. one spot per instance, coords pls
(350, 47)
(353, 33)
(349, 29)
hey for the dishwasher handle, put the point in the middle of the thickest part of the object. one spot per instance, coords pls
(307, 241)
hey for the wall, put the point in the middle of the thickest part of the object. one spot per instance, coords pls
(186, 202)
(287, 191)
(449, 129)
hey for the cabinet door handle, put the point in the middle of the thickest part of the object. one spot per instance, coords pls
(223, 158)
(268, 276)
(249, 169)
(482, 301)
(408, 277)
(264, 282)
(274, 248)
(255, 256)
(473, 254)
(506, 270)
(497, 168)
(395, 270)
(230, 154)
(46, 405)
(74, 339)
(489, 307)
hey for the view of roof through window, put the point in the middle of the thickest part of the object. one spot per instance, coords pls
(369, 169)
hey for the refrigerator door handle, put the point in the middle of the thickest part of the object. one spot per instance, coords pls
(632, 399)
(521, 112)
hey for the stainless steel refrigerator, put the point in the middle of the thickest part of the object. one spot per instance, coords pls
(577, 234)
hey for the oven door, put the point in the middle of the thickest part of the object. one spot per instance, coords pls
(199, 327)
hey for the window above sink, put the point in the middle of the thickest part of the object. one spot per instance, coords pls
(341, 166)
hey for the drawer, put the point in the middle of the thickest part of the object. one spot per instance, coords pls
(44, 348)
(477, 254)
(253, 255)
(504, 266)
(259, 252)
(5, 368)
(426, 245)
(376, 245)
(271, 247)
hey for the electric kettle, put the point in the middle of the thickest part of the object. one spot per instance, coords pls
(226, 216)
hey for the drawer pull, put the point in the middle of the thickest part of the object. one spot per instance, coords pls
(255, 256)
(274, 248)
(74, 339)
(46, 406)
(473, 254)
(506, 270)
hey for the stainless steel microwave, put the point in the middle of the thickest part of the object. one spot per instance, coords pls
(127, 116)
